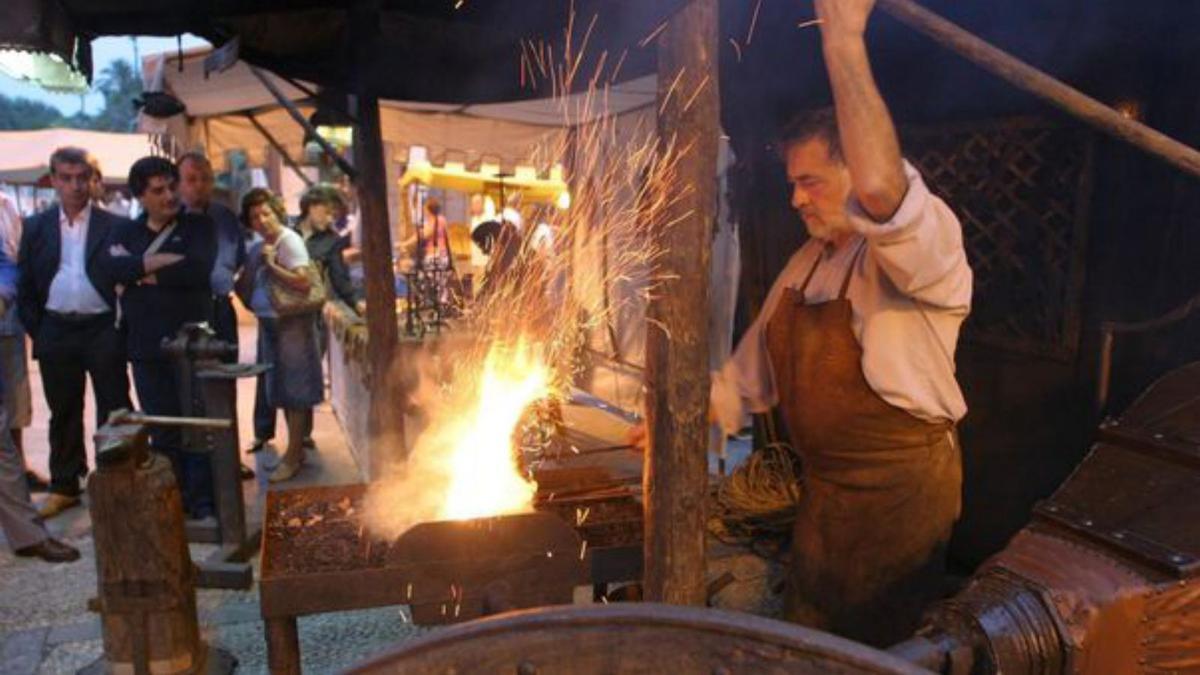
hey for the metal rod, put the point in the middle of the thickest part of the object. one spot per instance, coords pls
(1034, 81)
(165, 420)
(283, 154)
(292, 110)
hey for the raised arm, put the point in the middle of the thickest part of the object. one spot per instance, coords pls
(869, 142)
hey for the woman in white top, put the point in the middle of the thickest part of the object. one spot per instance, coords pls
(288, 343)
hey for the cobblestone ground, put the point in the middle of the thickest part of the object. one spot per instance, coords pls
(45, 626)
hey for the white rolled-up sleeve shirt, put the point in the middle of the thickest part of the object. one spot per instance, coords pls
(71, 290)
(910, 292)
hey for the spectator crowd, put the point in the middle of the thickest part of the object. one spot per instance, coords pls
(97, 293)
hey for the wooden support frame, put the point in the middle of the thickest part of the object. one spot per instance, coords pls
(386, 420)
(677, 377)
(1038, 83)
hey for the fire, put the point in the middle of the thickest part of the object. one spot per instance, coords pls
(463, 464)
(484, 478)
(558, 301)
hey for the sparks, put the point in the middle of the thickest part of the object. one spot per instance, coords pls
(474, 458)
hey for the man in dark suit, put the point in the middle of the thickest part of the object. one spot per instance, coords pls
(65, 301)
(164, 260)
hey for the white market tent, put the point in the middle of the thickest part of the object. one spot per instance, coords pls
(25, 155)
(218, 106)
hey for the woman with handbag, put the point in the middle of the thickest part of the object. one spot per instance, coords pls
(281, 287)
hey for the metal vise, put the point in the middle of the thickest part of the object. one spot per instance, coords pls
(208, 388)
(1104, 578)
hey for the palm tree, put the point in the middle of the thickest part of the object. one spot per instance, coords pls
(119, 84)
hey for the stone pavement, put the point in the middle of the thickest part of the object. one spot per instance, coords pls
(45, 626)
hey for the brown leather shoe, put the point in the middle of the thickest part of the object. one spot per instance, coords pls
(56, 504)
(51, 550)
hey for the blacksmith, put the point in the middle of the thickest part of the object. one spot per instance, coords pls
(855, 344)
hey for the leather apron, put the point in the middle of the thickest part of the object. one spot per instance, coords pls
(882, 488)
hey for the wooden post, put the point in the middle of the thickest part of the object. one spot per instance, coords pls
(385, 422)
(677, 338)
(1034, 81)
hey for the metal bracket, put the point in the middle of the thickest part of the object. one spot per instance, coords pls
(1146, 551)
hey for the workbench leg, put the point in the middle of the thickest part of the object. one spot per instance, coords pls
(283, 646)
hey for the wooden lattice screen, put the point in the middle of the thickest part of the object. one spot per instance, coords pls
(1021, 188)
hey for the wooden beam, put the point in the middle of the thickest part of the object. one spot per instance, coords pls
(386, 421)
(295, 113)
(283, 153)
(1034, 81)
(676, 473)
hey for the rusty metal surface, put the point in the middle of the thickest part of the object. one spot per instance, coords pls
(612, 528)
(1008, 623)
(1108, 566)
(1137, 504)
(1096, 596)
(1169, 630)
(317, 557)
(633, 639)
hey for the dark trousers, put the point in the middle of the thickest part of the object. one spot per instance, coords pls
(264, 415)
(69, 351)
(225, 322)
(158, 393)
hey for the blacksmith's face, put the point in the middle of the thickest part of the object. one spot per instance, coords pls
(73, 183)
(159, 200)
(820, 187)
(195, 184)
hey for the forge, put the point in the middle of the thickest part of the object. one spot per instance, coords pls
(585, 528)
(318, 557)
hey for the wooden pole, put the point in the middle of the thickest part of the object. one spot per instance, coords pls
(283, 153)
(385, 421)
(1026, 77)
(295, 113)
(677, 340)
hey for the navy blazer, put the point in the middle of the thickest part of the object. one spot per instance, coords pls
(39, 256)
(181, 294)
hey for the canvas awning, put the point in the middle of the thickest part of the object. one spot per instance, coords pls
(25, 155)
(218, 105)
(534, 189)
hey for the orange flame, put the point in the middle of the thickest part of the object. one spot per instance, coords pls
(484, 477)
